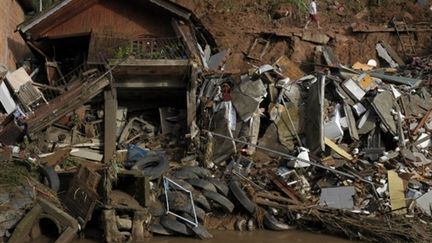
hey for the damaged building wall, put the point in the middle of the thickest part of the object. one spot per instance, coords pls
(12, 47)
(110, 17)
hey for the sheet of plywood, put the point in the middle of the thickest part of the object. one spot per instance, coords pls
(397, 193)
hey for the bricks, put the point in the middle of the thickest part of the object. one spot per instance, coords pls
(12, 47)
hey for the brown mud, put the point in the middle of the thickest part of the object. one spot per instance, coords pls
(241, 237)
(235, 25)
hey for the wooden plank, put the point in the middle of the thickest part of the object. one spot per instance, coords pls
(315, 121)
(422, 122)
(191, 98)
(397, 193)
(110, 125)
(65, 103)
(24, 226)
(291, 193)
(337, 149)
(289, 68)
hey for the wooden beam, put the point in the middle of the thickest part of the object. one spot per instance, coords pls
(191, 97)
(110, 138)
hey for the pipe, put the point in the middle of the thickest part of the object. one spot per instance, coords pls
(292, 157)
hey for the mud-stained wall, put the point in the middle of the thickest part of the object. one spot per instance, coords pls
(119, 17)
(12, 47)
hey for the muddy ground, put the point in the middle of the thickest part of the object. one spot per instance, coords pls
(235, 25)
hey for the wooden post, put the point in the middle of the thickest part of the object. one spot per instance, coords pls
(191, 96)
(110, 97)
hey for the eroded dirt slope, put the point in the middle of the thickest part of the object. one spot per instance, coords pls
(235, 24)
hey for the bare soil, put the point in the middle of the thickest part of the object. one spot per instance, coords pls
(235, 24)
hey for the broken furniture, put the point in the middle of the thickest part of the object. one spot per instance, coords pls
(22, 85)
(135, 129)
(81, 197)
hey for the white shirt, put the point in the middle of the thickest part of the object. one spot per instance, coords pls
(313, 8)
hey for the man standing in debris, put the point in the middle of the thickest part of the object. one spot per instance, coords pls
(313, 14)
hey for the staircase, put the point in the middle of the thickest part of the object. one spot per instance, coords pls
(78, 87)
(405, 36)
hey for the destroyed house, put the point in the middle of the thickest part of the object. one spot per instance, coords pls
(157, 35)
(149, 47)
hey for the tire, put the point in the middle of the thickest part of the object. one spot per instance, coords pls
(242, 197)
(169, 222)
(160, 230)
(202, 184)
(177, 201)
(271, 223)
(182, 183)
(156, 209)
(221, 187)
(51, 177)
(152, 166)
(198, 197)
(199, 171)
(224, 202)
(185, 175)
(199, 230)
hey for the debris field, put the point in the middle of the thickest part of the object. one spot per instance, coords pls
(155, 136)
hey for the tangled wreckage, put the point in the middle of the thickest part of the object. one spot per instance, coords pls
(149, 135)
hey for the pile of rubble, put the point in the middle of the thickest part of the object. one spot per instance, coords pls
(345, 150)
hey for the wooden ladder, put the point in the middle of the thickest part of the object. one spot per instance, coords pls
(405, 36)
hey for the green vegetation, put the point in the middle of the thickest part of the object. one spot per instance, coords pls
(166, 51)
(300, 5)
(122, 52)
(13, 174)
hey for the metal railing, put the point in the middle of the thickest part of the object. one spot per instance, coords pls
(139, 47)
(144, 48)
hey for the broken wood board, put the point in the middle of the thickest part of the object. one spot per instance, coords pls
(87, 154)
(315, 37)
(58, 107)
(352, 128)
(315, 121)
(383, 104)
(397, 193)
(362, 66)
(338, 149)
(289, 68)
(55, 158)
(329, 57)
(392, 53)
(288, 126)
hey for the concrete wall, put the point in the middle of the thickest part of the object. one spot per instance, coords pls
(12, 47)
